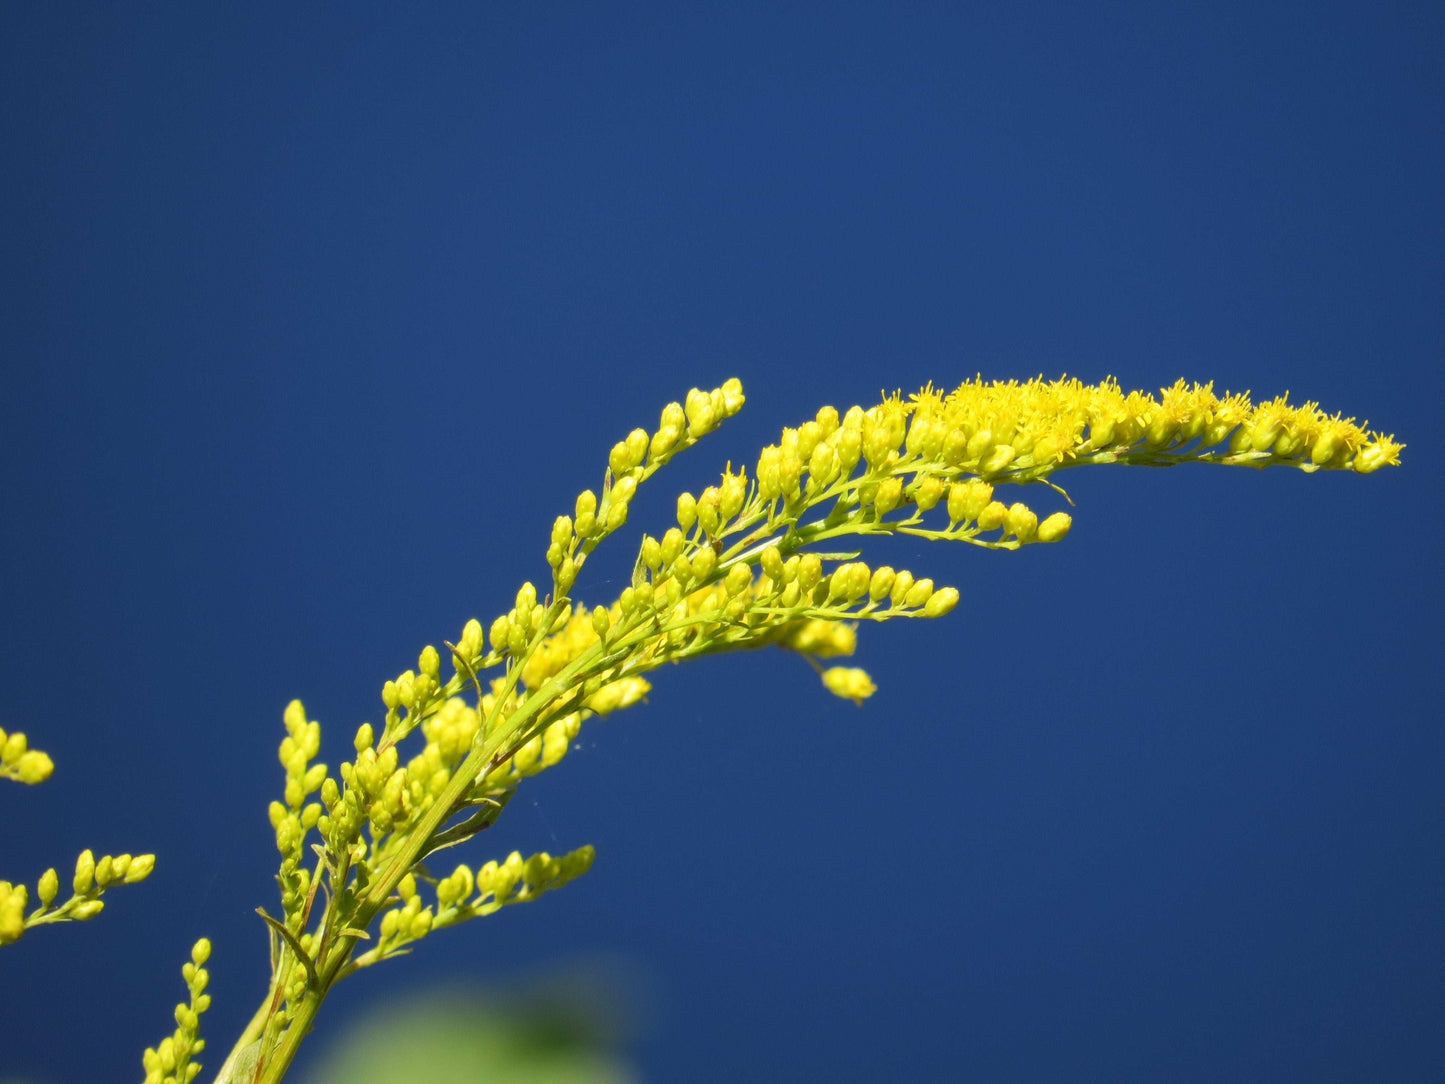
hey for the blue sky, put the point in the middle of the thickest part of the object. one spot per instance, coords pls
(312, 320)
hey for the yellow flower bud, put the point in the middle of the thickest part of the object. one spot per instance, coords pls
(955, 448)
(1055, 527)
(881, 436)
(470, 643)
(636, 446)
(822, 466)
(708, 516)
(732, 396)
(925, 439)
(967, 499)
(554, 743)
(827, 420)
(34, 766)
(526, 598)
(462, 882)
(386, 760)
(889, 496)
(1022, 521)
(288, 835)
(809, 435)
(731, 494)
(12, 911)
(849, 447)
(686, 511)
(140, 868)
(996, 460)
(849, 581)
(566, 576)
(739, 578)
(810, 571)
(623, 491)
(941, 602)
(508, 874)
(84, 873)
(704, 562)
(701, 419)
(527, 757)
(902, 584)
(918, 594)
(880, 583)
(928, 492)
(617, 695)
(585, 513)
(673, 416)
(617, 459)
(994, 514)
(849, 682)
(771, 562)
(616, 515)
(562, 531)
(47, 887)
(671, 549)
(500, 635)
(294, 717)
(769, 473)
(821, 637)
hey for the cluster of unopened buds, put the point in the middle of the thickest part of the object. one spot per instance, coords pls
(170, 1061)
(92, 877)
(464, 895)
(20, 762)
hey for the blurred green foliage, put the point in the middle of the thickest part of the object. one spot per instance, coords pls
(563, 1033)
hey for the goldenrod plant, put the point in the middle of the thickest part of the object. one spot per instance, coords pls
(763, 558)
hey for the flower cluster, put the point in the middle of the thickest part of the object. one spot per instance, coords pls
(1024, 431)
(21, 763)
(464, 895)
(89, 883)
(170, 1062)
(759, 559)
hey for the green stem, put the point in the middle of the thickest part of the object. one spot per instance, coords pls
(248, 1037)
